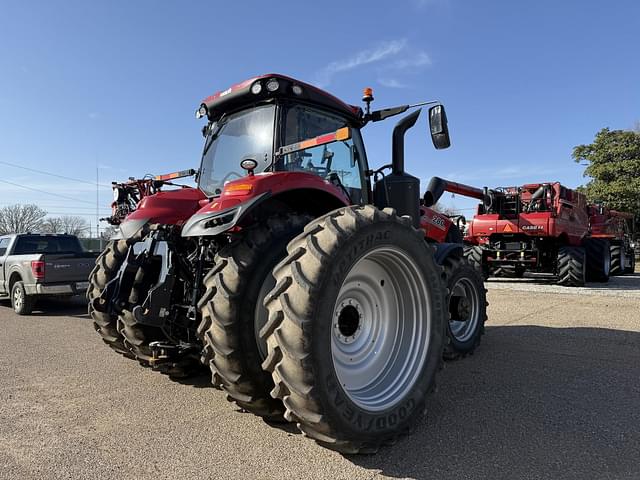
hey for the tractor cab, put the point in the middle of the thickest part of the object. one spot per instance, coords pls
(276, 124)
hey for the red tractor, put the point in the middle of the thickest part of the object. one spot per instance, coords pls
(618, 229)
(316, 289)
(541, 227)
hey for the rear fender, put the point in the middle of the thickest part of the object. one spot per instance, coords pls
(171, 207)
(296, 190)
(446, 250)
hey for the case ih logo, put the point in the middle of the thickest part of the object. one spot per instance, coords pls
(532, 227)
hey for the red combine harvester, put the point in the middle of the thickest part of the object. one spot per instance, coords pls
(316, 289)
(541, 227)
(618, 229)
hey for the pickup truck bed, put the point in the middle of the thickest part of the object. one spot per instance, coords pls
(36, 265)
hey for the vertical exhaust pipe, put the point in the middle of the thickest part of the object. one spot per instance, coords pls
(397, 145)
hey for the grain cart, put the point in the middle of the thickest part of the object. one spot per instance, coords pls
(541, 227)
(617, 228)
(314, 287)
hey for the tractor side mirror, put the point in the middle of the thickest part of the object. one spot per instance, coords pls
(438, 126)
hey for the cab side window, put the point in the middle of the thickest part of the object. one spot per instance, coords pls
(338, 162)
(4, 244)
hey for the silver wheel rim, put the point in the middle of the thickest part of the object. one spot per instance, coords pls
(607, 263)
(381, 329)
(464, 309)
(261, 314)
(17, 299)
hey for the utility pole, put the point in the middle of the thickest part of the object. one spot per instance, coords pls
(98, 206)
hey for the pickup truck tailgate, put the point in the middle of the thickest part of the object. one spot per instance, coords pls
(67, 268)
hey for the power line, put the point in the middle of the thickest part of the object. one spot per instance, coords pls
(45, 192)
(75, 207)
(54, 174)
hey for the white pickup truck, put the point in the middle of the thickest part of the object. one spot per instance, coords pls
(38, 265)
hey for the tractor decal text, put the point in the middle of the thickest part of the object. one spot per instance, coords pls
(355, 251)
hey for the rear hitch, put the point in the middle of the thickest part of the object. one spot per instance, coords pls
(162, 352)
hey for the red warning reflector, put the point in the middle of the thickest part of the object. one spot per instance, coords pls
(507, 228)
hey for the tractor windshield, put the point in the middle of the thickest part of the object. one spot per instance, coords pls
(242, 135)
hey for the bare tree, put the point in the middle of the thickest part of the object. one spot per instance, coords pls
(21, 218)
(108, 232)
(52, 225)
(449, 211)
(70, 224)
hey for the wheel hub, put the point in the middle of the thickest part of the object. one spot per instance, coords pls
(380, 329)
(464, 309)
(349, 320)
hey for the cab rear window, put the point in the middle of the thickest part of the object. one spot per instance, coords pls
(27, 244)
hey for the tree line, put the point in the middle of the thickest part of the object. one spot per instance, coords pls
(31, 218)
(612, 163)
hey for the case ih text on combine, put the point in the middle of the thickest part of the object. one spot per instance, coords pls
(543, 227)
(314, 287)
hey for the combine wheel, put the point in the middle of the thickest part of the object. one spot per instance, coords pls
(355, 328)
(510, 272)
(571, 268)
(618, 260)
(598, 253)
(106, 324)
(474, 256)
(233, 313)
(467, 308)
(632, 266)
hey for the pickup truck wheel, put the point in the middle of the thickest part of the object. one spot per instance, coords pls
(21, 302)
(105, 322)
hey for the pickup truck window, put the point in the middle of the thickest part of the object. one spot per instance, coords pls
(4, 244)
(28, 244)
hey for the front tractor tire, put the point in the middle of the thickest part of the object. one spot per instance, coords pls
(467, 308)
(233, 313)
(355, 329)
(571, 266)
(105, 321)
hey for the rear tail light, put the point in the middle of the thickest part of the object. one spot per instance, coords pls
(37, 267)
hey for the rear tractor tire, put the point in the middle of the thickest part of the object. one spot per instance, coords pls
(571, 266)
(105, 322)
(467, 308)
(355, 328)
(233, 313)
(598, 252)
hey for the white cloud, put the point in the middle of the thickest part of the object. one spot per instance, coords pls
(381, 52)
(391, 83)
(416, 61)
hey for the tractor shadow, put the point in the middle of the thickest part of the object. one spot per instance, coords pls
(533, 402)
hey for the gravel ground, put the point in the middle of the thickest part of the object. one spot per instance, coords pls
(553, 392)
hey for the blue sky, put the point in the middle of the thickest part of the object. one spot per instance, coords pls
(114, 84)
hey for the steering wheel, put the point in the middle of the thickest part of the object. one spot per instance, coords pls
(226, 177)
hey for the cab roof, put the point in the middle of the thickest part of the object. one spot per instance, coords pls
(244, 93)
